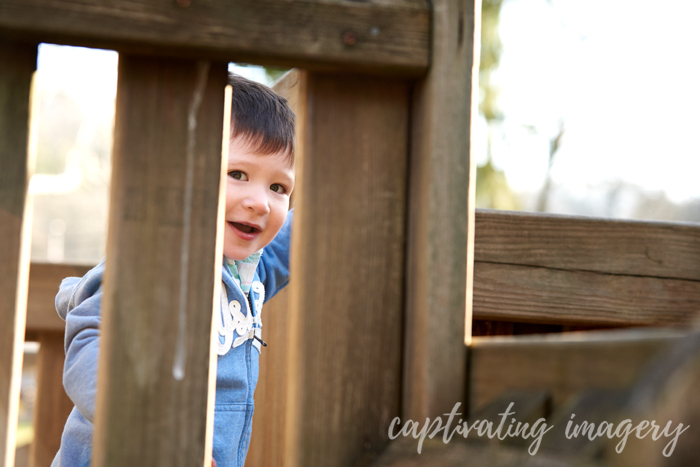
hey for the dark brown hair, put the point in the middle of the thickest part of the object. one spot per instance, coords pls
(262, 117)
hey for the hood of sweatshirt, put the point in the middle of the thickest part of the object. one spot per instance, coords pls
(74, 290)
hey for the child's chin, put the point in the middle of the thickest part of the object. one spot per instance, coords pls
(237, 254)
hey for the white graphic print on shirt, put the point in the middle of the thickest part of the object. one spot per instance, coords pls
(230, 318)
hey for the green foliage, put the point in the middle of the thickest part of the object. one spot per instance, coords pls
(492, 189)
(491, 49)
(275, 73)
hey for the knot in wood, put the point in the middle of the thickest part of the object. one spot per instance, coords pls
(349, 38)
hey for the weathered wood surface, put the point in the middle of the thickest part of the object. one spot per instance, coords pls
(668, 392)
(543, 295)
(626, 247)
(470, 453)
(267, 441)
(52, 405)
(663, 390)
(346, 295)
(156, 378)
(441, 215)
(17, 65)
(594, 406)
(573, 270)
(44, 279)
(562, 364)
(381, 36)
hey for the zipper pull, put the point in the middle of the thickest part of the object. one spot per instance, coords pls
(261, 341)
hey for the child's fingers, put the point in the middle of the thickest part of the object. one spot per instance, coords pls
(213, 462)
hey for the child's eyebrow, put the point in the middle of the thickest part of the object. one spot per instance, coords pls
(286, 176)
(290, 180)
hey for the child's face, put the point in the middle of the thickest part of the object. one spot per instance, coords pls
(257, 199)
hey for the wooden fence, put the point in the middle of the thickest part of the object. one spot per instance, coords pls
(380, 79)
(567, 364)
(387, 273)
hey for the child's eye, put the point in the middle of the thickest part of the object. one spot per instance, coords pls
(238, 175)
(277, 188)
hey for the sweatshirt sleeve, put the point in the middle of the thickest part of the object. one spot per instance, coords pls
(274, 263)
(79, 303)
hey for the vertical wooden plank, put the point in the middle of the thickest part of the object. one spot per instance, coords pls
(267, 441)
(346, 296)
(17, 65)
(52, 405)
(155, 390)
(441, 215)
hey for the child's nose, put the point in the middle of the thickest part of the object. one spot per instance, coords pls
(257, 201)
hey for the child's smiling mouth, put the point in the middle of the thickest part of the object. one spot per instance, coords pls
(245, 228)
(245, 231)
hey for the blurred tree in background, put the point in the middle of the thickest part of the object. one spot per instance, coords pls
(275, 73)
(492, 189)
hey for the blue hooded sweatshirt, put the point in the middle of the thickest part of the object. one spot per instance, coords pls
(78, 303)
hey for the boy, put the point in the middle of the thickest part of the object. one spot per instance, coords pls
(259, 182)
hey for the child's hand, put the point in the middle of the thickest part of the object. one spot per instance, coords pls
(213, 462)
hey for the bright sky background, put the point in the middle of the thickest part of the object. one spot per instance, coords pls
(622, 74)
(89, 76)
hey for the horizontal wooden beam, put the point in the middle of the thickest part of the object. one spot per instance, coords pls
(543, 295)
(385, 36)
(630, 247)
(44, 280)
(585, 271)
(562, 364)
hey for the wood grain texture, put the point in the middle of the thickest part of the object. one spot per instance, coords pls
(267, 441)
(639, 248)
(346, 295)
(384, 36)
(585, 271)
(542, 295)
(154, 391)
(44, 279)
(52, 405)
(441, 215)
(563, 364)
(17, 62)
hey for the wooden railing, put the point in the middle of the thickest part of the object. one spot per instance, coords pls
(383, 249)
(380, 169)
(608, 250)
(585, 271)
